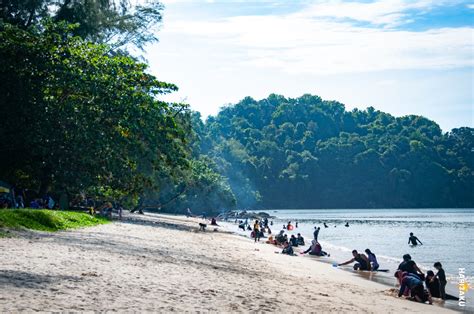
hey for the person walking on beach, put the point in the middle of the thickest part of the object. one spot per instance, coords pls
(362, 261)
(414, 240)
(256, 231)
(316, 233)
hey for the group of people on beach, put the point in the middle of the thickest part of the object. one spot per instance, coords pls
(411, 279)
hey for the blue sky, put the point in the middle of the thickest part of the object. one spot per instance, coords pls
(399, 56)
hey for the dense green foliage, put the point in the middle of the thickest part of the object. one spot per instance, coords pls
(79, 119)
(117, 23)
(46, 220)
(311, 153)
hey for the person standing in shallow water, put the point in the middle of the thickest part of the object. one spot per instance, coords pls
(413, 240)
(316, 233)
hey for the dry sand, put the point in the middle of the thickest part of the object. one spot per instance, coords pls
(162, 263)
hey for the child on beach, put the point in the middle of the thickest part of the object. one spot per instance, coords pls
(442, 279)
(433, 286)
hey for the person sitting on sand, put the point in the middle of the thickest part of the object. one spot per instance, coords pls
(414, 240)
(410, 266)
(280, 238)
(242, 226)
(362, 262)
(433, 286)
(288, 249)
(415, 285)
(300, 239)
(315, 249)
(372, 259)
(293, 241)
(271, 240)
(214, 222)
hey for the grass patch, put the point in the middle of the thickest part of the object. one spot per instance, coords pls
(46, 220)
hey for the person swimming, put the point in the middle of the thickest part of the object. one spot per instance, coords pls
(414, 240)
(372, 259)
(362, 262)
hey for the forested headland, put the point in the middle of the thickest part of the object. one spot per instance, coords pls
(310, 153)
(82, 118)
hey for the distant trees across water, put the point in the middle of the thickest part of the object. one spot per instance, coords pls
(311, 153)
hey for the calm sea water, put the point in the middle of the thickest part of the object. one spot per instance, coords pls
(447, 236)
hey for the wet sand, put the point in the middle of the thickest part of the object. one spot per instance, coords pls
(163, 263)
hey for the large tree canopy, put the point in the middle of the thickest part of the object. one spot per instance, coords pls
(75, 117)
(115, 22)
(309, 153)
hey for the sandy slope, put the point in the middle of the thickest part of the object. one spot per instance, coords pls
(162, 263)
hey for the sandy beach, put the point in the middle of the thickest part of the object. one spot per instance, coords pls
(163, 263)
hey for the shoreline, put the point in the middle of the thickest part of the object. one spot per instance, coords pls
(163, 263)
(384, 278)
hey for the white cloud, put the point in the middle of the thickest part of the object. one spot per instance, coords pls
(216, 60)
(383, 12)
(298, 43)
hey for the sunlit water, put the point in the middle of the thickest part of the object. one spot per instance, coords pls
(447, 236)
